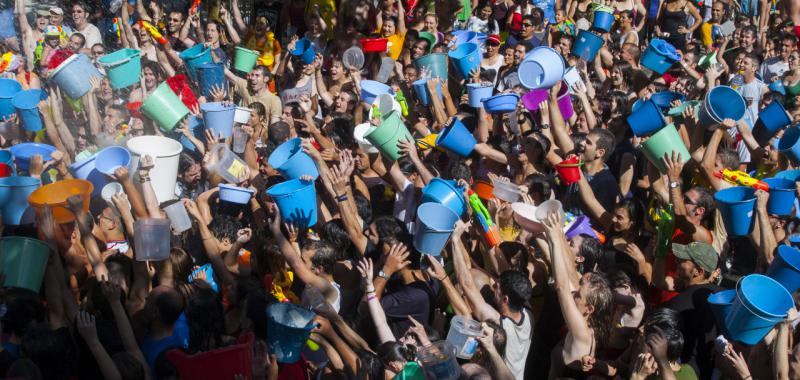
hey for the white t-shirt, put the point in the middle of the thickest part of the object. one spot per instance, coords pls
(92, 35)
(518, 342)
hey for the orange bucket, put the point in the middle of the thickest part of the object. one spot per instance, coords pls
(484, 189)
(56, 194)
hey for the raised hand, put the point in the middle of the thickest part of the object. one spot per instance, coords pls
(396, 260)
(364, 267)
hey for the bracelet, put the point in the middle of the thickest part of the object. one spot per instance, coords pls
(371, 291)
(371, 298)
(144, 179)
(341, 198)
(442, 279)
(748, 377)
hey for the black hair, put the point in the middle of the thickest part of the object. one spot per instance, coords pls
(590, 250)
(256, 303)
(605, 141)
(668, 321)
(602, 300)
(181, 264)
(169, 304)
(278, 132)
(517, 287)
(154, 67)
(21, 314)
(334, 233)
(706, 200)
(206, 321)
(81, 36)
(259, 108)
(324, 255)
(728, 157)
(363, 207)
(370, 366)
(393, 352)
(388, 227)
(185, 161)
(500, 337)
(635, 211)
(538, 184)
(225, 226)
(458, 170)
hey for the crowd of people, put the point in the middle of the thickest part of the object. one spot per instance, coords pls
(626, 299)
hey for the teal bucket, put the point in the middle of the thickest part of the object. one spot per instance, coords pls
(436, 63)
(219, 118)
(72, 75)
(434, 225)
(24, 261)
(245, 60)
(386, 136)
(297, 201)
(164, 107)
(123, 67)
(8, 88)
(760, 304)
(736, 204)
(194, 57)
(466, 57)
(288, 329)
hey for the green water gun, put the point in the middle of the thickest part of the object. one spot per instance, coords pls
(376, 112)
(401, 99)
(665, 228)
(490, 231)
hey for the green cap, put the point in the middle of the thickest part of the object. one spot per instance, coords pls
(430, 37)
(702, 254)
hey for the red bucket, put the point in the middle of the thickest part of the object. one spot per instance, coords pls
(180, 86)
(373, 45)
(5, 170)
(569, 171)
(133, 109)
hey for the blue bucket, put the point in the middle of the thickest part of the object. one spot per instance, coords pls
(785, 268)
(646, 119)
(760, 303)
(72, 75)
(370, 90)
(433, 228)
(792, 175)
(466, 57)
(111, 158)
(234, 194)
(456, 138)
(501, 103)
(736, 205)
(721, 103)
(288, 328)
(720, 303)
(8, 88)
(14, 192)
(542, 67)
(446, 193)
(663, 99)
(197, 129)
(194, 57)
(293, 163)
(464, 36)
(123, 67)
(297, 201)
(23, 152)
(587, 45)
(781, 196)
(211, 75)
(27, 105)
(304, 49)
(477, 92)
(603, 21)
(771, 119)
(789, 144)
(660, 56)
(219, 117)
(421, 88)
(87, 169)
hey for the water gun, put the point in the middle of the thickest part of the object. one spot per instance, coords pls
(490, 231)
(401, 99)
(5, 61)
(665, 228)
(117, 28)
(195, 4)
(153, 31)
(267, 57)
(376, 112)
(737, 177)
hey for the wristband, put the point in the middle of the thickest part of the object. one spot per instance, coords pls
(371, 298)
(341, 198)
(144, 179)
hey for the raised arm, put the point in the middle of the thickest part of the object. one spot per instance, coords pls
(559, 126)
(480, 309)
(373, 303)
(674, 166)
(87, 329)
(595, 208)
(237, 17)
(767, 243)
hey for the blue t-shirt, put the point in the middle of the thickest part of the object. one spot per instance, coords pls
(179, 338)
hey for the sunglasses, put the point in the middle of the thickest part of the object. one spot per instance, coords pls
(526, 25)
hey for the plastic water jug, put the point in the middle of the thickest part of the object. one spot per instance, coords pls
(463, 335)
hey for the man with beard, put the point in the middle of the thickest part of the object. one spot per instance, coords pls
(190, 178)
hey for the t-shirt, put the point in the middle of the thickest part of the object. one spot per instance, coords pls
(412, 299)
(396, 44)
(92, 35)
(518, 342)
(773, 67)
(271, 103)
(604, 186)
(179, 338)
(699, 327)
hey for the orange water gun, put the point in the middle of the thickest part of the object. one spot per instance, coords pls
(5, 61)
(740, 178)
(195, 4)
(153, 31)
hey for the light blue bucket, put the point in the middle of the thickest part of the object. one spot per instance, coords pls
(288, 329)
(14, 192)
(720, 304)
(771, 119)
(194, 57)
(433, 228)
(466, 57)
(27, 105)
(646, 119)
(789, 144)
(23, 152)
(436, 63)
(87, 169)
(219, 117)
(660, 56)
(370, 90)
(477, 92)
(736, 204)
(781, 196)
(234, 194)
(72, 75)
(446, 193)
(111, 158)
(8, 88)
(456, 138)
(123, 67)
(760, 304)
(421, 89)
(721, 103)
(211, 75)
(542, 67)
(501, 103)
(297, 201)
(304, 49)
(785, 268)
(291, 161)
(587, 45)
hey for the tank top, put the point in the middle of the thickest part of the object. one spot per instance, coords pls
(671, 21)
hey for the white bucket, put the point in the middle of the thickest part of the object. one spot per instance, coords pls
(359, 132)
(166, 153)
(242, 115)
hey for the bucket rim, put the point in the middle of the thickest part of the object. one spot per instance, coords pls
(133, 54)
(305, 186)
(178, 148)
(33, 181)
(26, 239)
(64, 64)
(760, 313)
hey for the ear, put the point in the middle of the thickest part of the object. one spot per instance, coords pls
(589, 309)
(579, 259)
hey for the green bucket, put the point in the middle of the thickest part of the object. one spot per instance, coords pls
(164, 107)
(123, 67)
(386, 136)
(664, 141)
(245, 59)
(23, 261)
(436, 63)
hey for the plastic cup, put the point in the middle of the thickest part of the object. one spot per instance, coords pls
(109, 190)
(239, 140)
(178, 217)
(229, 166)
(463, 335)
(439, 361)
(506, 191)
(151, 239)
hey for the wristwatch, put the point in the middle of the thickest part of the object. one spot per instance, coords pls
(383, 275)
(674, 185)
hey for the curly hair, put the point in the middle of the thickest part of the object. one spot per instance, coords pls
(602, 300)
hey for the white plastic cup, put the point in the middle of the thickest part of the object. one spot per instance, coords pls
(228, 165)
(242, 115)
(571, 76)
(109, 190)
(178, 217)
(506, 191)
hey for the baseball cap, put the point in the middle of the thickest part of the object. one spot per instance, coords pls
(493, 39)
(52, 31)
(56, 11)
(702, 254)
